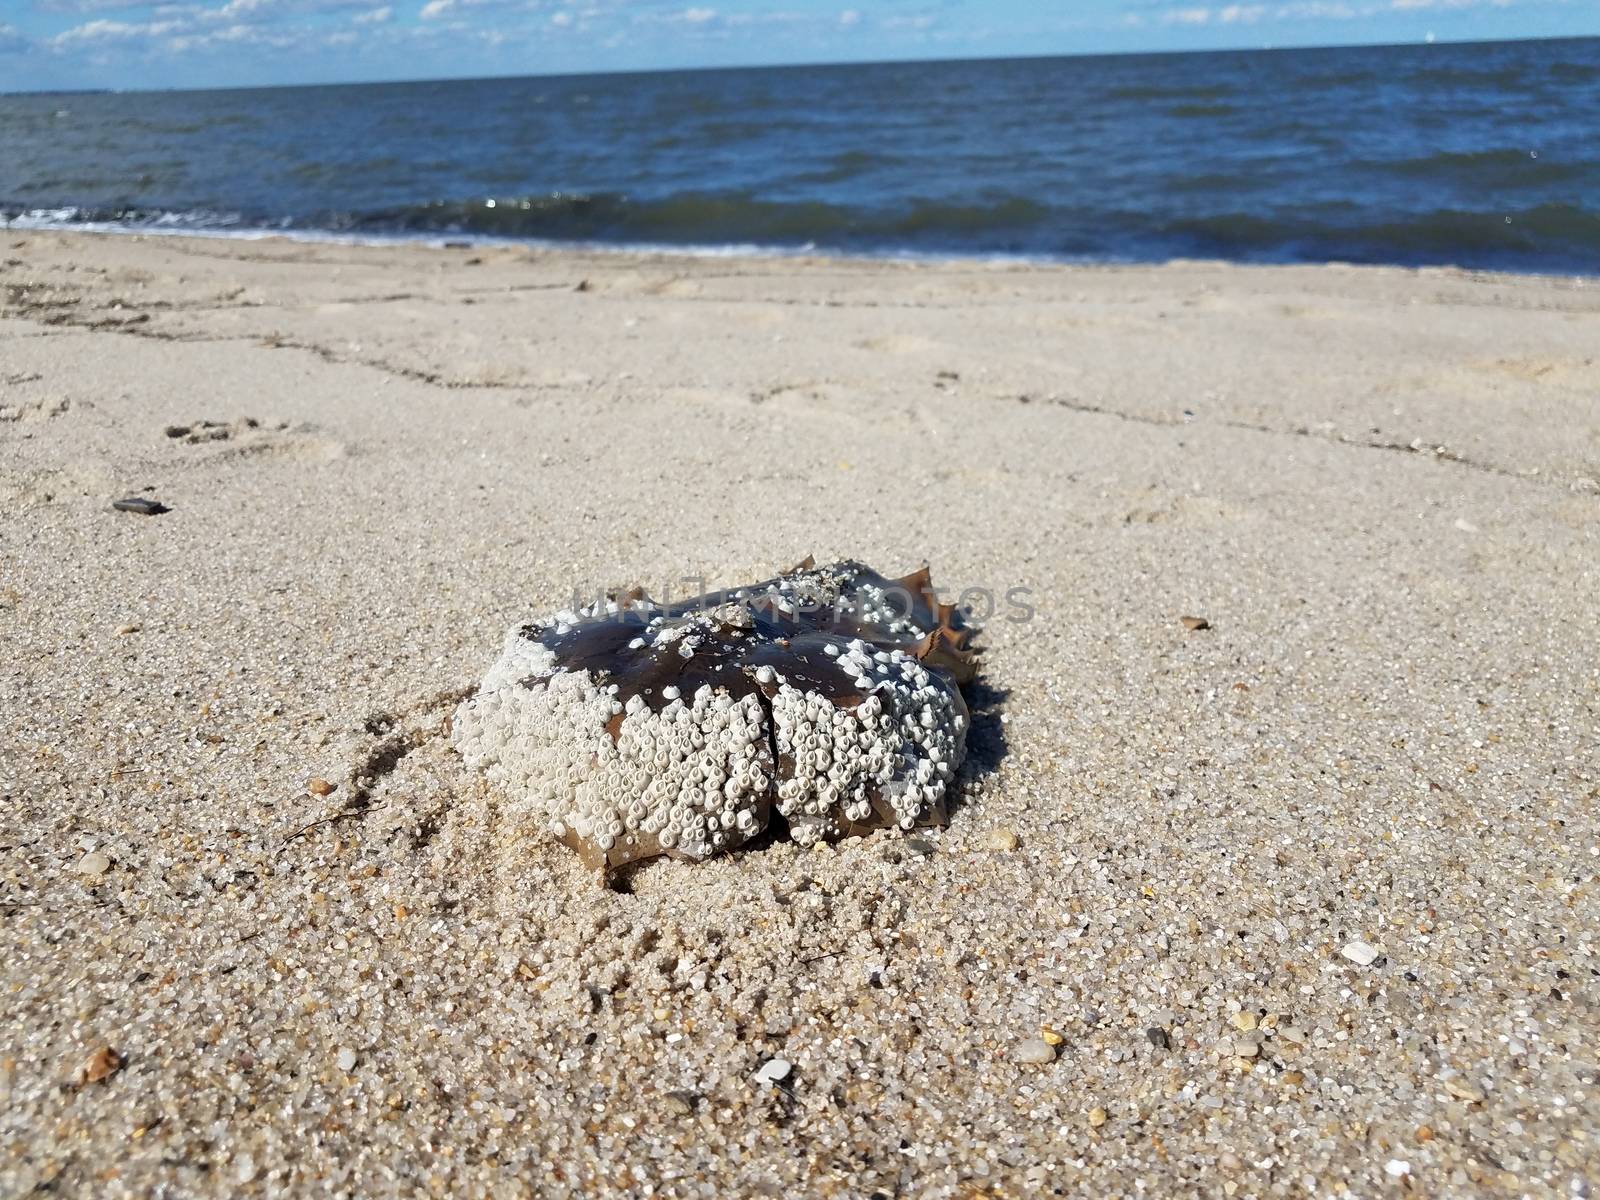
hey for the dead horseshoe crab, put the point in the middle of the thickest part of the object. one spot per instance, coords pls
(830, 696)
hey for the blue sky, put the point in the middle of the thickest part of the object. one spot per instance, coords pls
(205, 43)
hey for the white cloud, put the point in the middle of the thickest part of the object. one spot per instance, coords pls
(11, 40)
(100, 32)
(232, 35)
(254, 9)
(763, 18)
(1304, 10)
(849, 17)
(183, 28)
(693, 18)
(1319, 10)
(243, 10)
(88, 6)
(434, 9)
(566, 11)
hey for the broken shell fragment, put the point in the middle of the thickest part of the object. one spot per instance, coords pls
(101, 1064)
(829, 696)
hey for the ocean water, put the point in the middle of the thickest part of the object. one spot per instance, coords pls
(1482, 155)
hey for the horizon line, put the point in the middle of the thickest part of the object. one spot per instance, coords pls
(814, 65)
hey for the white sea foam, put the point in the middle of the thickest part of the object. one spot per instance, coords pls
(207, 224)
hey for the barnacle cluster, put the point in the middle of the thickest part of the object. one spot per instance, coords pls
(829, 696)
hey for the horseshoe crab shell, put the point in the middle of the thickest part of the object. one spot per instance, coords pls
(829, 696)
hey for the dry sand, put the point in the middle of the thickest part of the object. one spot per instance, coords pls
(1377, 485)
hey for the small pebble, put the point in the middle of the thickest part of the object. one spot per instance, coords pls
(142, 505)
(774, 1070)
(1462, 1089)
(1035, 1050)
(318, 786)
(1360, 953)
(681, 1103)
(94, 863)
(1097, 1117)
(346, 1060)
(1000, 839)
(102, 1064)
(1245, 1021)
(1158, 1037)
(1194, 624)
(125, 630)
(1397, 1168)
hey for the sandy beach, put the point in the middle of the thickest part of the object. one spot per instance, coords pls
(1302, 902)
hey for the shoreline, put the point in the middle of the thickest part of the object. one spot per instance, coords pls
(757, 251)
(1319, 864)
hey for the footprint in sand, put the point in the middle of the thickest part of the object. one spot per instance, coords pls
(73, 481)
(817, 396)
(634, 283)
(248, 437)
(900, 343)
(1155, 507)
(1571, 372)
(35, 410)
(399, 783)
(849, 405)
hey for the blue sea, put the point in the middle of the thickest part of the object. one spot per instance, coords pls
(1478, 155)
